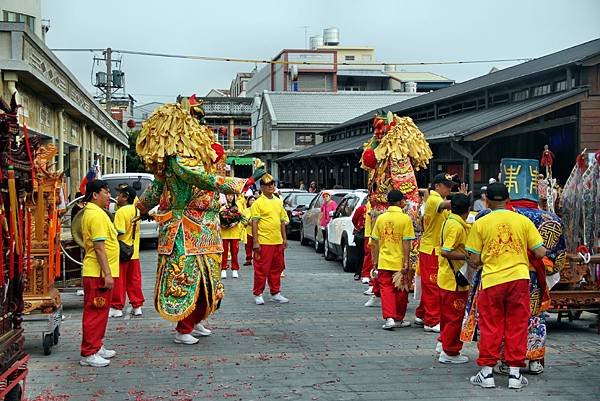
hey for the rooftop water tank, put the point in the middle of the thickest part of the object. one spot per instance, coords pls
(331, 36)
(316, 42)
(389, 68)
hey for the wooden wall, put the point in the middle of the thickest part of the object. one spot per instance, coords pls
(589, 125)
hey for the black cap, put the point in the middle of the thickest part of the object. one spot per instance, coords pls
(459, 203)
(129, 192)
(497, 192)
(443, 178)
(394, 196)
(93, 187)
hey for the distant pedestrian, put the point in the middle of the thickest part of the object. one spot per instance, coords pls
(453, 297)
(248, 223)
(327, 208)
(479, 204)
(312, 187)
(391, 238)
(269, 219)
(100, 269)
(127, 222)
(231, 225)
(358, 220)
(500, 241)
(301, 185)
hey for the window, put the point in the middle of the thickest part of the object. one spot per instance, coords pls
(10, 16)
(521, 95)
(349, 58)
(560, 86)
(305, 138)
(341, 209)
(541, 90)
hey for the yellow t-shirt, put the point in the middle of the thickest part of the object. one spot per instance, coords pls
(390, 229)
(96, 226)
(502, 238)
(248, 221)
(270, 213)
(124, 226)
(454, 236)
(433, 220)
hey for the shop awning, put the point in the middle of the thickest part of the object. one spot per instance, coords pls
(240, 161)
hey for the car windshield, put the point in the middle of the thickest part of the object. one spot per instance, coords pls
(113, 182)
(300, 199)
(338, 197)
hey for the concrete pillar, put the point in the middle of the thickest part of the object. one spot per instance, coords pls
(84, 149)
(104, 158)
(231, 135)
(61, 141)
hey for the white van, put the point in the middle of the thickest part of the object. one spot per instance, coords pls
(139, 182)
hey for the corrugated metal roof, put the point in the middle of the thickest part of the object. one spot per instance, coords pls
(361, 73)
(543, 64)
(328, 107)
(458, 125)
(415, 76)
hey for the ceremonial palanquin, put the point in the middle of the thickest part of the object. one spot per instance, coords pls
(390, 157)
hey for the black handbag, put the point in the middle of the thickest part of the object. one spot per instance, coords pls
(126, 251)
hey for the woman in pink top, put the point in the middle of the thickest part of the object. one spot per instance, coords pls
(328, 206)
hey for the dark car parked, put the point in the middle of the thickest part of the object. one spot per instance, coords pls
(295, 205)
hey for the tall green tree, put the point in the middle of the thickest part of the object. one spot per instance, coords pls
(134, 162)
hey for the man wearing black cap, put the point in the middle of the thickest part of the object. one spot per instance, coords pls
(391, 240)
(100, 268)
(435, 213)
(130, 276)
(499, 241)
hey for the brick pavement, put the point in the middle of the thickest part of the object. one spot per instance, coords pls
(323, 345)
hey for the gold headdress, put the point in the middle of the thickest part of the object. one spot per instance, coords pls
(172, 131)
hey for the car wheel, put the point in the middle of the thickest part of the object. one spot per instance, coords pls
(318, 245)
(346, 262)
(303, 240)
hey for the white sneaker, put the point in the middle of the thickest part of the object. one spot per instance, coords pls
(438, 348)
(258, 300)
(223, 274)
(373, 301)
(187, 339)
(234, 274)
(445, 358)
(279, 298)
(365, 280)
(106, 353)
(79, 293)
(483, 381)
(137, 311)
(419, 322)
(94, 360)
(535, 367)
(402, 324)
(369, 291)
(389, 324)
(201, 331)
(115, 312)
(517, 381)
(432, 329)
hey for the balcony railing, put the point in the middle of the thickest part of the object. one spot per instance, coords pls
(227, 108)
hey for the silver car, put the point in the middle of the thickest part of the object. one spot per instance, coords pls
(139, 182)
(311, 230)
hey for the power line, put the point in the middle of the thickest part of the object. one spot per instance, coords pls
(265, 61)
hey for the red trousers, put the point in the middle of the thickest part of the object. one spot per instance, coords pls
(186, 326)
(367, 262)
(504, 313)
(230, 246)
(248, 247)
(393, 301)
(96, 303)
(429, 308)
(268, 267)
(453, 305)
(129, 282)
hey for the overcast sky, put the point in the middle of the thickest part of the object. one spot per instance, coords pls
(418, 30)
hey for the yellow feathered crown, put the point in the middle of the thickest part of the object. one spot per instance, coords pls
(172, 131)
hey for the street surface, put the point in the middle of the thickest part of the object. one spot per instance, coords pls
(323, 345)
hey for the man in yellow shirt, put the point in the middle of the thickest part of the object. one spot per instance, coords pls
(391, 238)
(100, 268)
(453, 298)
(500, 241)
(127, 223)
(269, 219)
(434, 215)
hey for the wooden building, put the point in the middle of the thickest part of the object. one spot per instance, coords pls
(552, 100)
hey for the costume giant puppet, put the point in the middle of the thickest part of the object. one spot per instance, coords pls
(390, 157)
(183, 155)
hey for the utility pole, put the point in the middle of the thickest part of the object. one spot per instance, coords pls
(108, 55)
